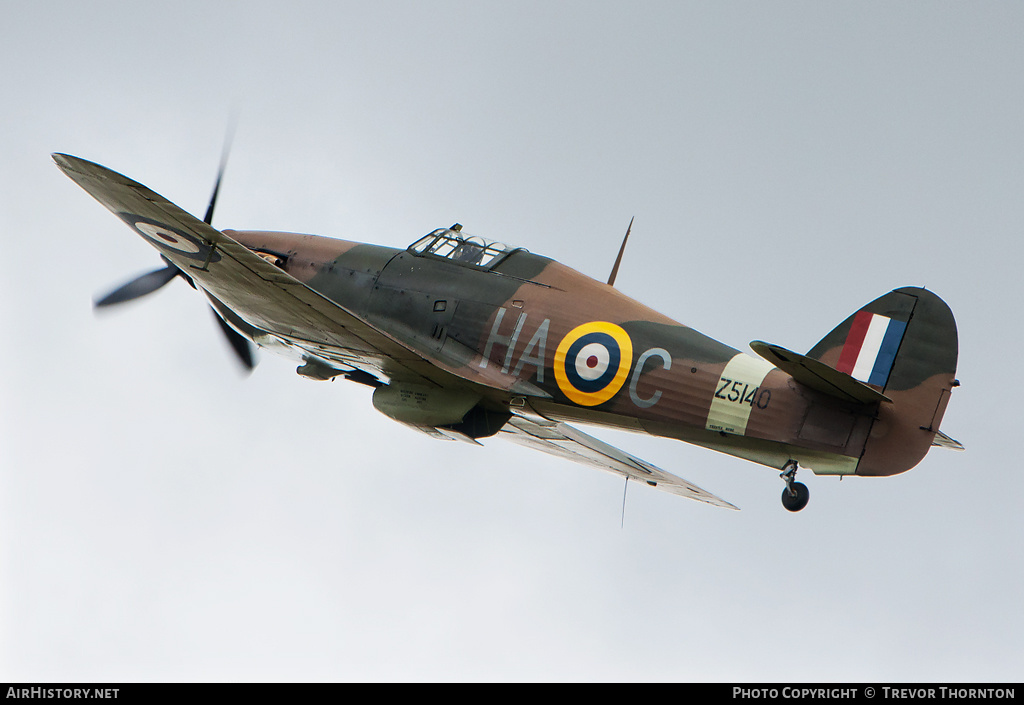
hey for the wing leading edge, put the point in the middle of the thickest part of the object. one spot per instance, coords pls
(266, 297)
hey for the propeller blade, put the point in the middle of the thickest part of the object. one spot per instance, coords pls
(208, 218)
(241, 346)
(146, 284)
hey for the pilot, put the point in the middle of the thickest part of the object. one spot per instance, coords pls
(466, 252)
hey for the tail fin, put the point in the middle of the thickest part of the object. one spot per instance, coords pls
(905, 345)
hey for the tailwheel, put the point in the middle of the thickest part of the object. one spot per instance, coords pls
(796, 494)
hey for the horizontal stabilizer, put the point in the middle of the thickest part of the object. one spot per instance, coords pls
(944, 441)
(817, 375)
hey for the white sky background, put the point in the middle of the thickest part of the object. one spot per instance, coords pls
(163, 518)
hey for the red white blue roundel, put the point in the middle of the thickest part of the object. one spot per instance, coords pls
(592, 362)
(166, 237)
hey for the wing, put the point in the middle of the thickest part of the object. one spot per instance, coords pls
(570, 443)
(267, 298)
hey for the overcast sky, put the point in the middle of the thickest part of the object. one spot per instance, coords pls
(164, 518)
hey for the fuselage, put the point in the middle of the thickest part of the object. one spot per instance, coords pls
(597, 355)
(465, 338)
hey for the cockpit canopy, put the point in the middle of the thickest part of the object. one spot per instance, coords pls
(452, 244)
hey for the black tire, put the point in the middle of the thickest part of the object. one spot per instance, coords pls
(797, 502)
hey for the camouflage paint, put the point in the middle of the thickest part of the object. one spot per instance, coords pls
(532, 333)
(523, 317)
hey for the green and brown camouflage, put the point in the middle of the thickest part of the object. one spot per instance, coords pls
(468, 338)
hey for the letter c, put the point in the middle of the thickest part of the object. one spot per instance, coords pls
(666, 363)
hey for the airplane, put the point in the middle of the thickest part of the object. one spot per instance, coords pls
(465, 338)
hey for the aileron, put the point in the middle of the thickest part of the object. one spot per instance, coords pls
(564, 441)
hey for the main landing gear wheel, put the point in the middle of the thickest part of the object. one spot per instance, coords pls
(796, 494)
(794, 498)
